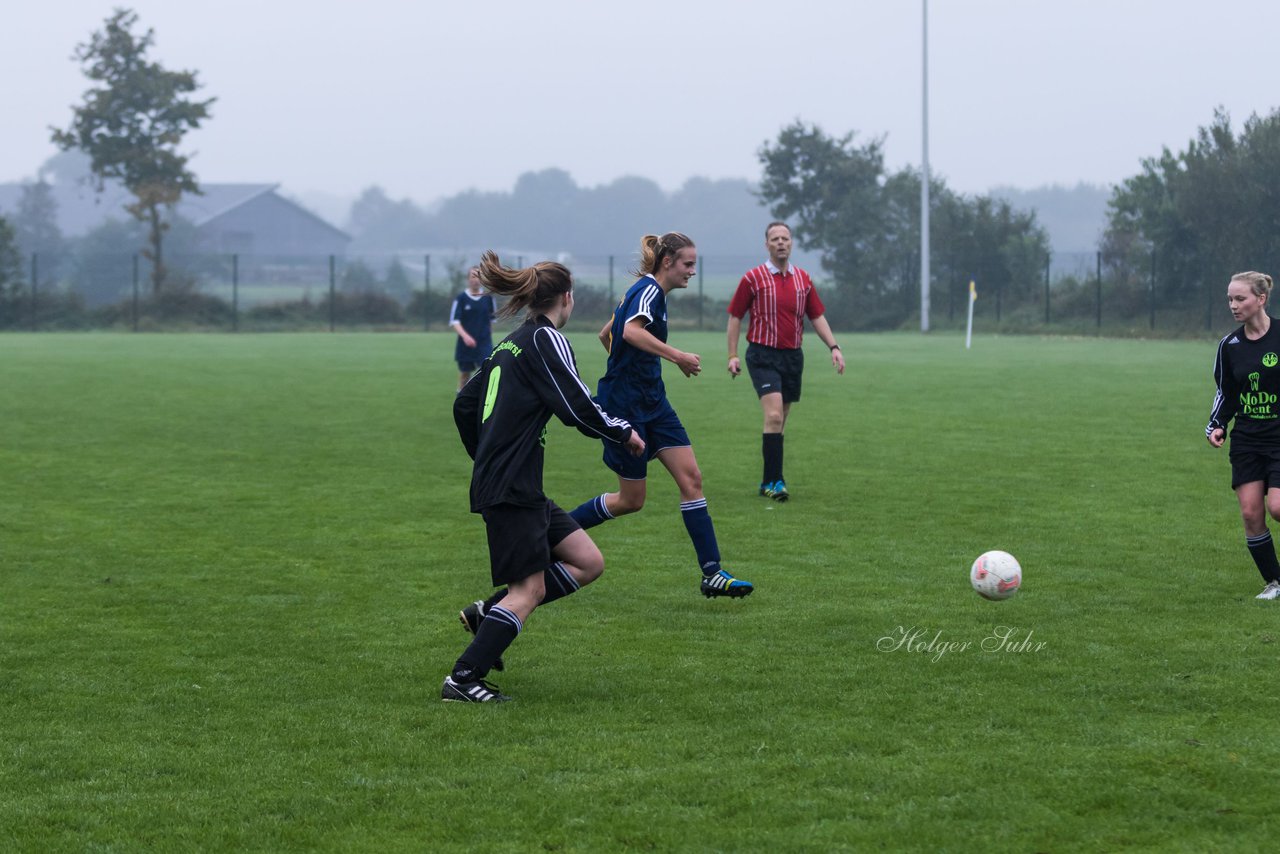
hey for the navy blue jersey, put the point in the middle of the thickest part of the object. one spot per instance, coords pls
(632, 382)
(502, 414)
(475, 314)
(1247, 373)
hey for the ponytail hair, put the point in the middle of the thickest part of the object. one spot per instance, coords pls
(1259, 283)
(654, 248)
(535, 288)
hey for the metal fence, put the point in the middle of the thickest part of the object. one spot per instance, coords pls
(1076, 293)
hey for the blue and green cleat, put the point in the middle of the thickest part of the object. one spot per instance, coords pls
(776, 490)
(721, 583)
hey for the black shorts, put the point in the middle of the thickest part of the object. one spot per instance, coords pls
(470, 367)
(773, 370)
(521, 539)
(1252, 465)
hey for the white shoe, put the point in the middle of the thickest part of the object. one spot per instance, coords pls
(1271, 591)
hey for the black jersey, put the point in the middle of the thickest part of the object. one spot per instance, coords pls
(502, 413)
(1248, 376)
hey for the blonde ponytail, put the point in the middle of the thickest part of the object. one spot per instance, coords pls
(654, 248)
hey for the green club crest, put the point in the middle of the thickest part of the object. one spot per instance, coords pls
(1269, 360)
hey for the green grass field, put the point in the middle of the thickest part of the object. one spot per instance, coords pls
(230, 568)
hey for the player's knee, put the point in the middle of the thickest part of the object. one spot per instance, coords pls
(1273, 509)
(773, 422)
(591, 569)
(525, 595)
(691, 485)
(627, 504)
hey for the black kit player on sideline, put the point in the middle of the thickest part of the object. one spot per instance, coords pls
(472, 318)
(1247, 372)
(535, 548)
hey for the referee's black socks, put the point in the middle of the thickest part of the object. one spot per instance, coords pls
(771, 448)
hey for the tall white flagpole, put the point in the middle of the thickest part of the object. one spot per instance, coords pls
(924, 174)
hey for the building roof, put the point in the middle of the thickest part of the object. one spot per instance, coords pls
(81, 209)
(217, 199)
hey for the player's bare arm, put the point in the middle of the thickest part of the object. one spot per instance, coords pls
(735, 329)
(823, 329)
(634, 333)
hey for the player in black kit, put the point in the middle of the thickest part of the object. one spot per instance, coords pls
(535, 548)
(1247, 371)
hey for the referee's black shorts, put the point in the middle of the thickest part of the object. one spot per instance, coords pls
(521, 539)
(773, 370)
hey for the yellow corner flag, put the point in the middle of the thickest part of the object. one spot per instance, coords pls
(973, 297)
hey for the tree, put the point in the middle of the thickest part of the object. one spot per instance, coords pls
(1204, 212)
(397, 279)
(728, 217)
(378, 223)
(357, 277)
(866, 223)
(102, 263)
(132, 123)
(829, 191)
(11, 284)
(36, 221)
(456, 270)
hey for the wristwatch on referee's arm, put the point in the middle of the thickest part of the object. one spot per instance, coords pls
(836, 347)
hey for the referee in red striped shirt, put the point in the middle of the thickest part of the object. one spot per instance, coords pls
(778, 296)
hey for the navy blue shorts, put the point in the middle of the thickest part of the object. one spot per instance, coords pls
(521, 539)
(659, 433)
(469, 359)
(775, 371)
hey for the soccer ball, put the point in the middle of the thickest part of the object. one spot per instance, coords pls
(996, 575)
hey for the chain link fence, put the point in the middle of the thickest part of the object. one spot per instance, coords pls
(1077, 294)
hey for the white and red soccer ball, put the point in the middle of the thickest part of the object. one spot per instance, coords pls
(995, 575)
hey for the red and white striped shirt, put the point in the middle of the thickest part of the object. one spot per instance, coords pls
(779, 302)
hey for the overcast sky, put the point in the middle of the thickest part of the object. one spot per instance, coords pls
(429, 98)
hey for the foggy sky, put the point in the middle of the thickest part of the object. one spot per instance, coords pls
(431, 98)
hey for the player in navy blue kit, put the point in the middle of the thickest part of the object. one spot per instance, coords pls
(1247, 371)
(472, 317)
(535, 548)
(632, 388)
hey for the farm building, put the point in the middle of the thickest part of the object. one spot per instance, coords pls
(246, 219)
